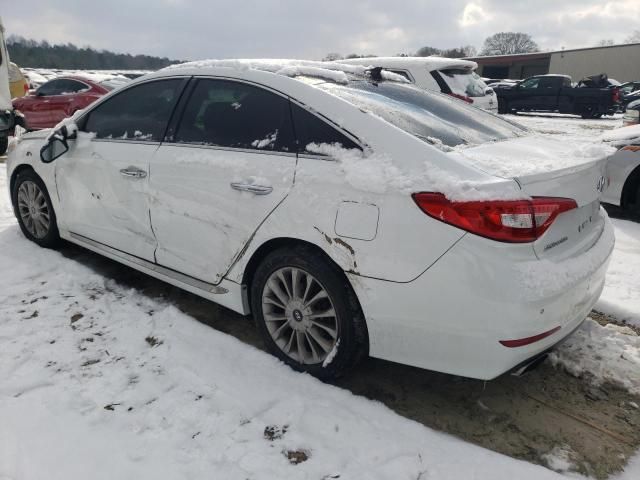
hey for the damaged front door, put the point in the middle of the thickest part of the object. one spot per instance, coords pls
(103, 180)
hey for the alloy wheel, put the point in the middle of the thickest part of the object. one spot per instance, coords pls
(33, 209)
(299, 315)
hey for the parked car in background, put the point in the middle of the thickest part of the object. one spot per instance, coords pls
(629, 92)
(58, 99)
(389, 242)
(632, 113)
(34, 78)
(555, 93)
(18, 84)
(450, 76)
(8, 117)
(623, 168)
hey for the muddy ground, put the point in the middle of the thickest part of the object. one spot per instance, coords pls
(523, 417)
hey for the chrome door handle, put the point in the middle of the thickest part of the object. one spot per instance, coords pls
(133, 172)
(250, 187)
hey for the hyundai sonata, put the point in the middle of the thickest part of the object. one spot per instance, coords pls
(348, 213)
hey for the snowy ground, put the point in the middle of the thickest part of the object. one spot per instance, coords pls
(101, 381)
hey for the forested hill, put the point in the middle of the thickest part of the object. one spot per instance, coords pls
(31, 53)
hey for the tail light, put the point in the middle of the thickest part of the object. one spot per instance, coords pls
(464, 98)
(512, 221)
(616, 95)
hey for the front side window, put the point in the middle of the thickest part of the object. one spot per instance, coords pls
(137, 113)
(233, 114)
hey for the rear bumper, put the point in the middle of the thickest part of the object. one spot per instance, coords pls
(452, 318)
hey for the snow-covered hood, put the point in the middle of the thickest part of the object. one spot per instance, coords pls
(534, 155)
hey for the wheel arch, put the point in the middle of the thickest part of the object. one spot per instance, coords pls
(14, 175)
(630, 188)
(287, 242)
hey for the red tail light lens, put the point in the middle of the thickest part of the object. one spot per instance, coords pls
(513, 221)
(616, 95)
(462, 97)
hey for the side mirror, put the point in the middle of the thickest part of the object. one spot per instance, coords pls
(55, 147)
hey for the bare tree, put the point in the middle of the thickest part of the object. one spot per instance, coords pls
(427, 52)
(633, 38)
(507, 43)
(332, 56)
(605, 42)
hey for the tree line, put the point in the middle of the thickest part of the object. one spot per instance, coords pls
(32, 53)
(501, 43)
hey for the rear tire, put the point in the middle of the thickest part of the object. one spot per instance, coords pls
(4, 143)
(307, 313)
(587, 112)
(33, 209)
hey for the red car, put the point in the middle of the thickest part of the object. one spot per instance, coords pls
(59, 98)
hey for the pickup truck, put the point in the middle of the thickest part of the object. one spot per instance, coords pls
(556, 93)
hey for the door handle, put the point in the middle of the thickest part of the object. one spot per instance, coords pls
(252, 188)
(133, 172)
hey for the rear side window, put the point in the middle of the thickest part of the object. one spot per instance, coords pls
(530, 83)
(237, 115)
(463, 82)
(312, 130)
(548, 82)
(138, 113)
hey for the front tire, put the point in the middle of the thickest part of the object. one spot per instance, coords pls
(307, 313)
(34, 210)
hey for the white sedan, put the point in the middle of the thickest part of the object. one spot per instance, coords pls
(623, 169)
(349, 214)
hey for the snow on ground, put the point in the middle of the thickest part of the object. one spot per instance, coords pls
(602, 353)
(98, 381)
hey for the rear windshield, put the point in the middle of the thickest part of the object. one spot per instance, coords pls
(464, 82)
(432, 117)
(113, 83)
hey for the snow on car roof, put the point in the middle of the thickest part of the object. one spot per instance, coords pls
(333, 71)
(432, 63)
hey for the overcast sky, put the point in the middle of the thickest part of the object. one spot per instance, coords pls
(195, 29)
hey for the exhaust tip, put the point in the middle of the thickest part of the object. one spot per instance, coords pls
(529, 365)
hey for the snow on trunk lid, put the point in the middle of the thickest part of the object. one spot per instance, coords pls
(547, 167)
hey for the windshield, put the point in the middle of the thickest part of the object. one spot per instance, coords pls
(464, 82)
(432, 117)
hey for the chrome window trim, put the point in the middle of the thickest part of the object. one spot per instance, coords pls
(230, 149)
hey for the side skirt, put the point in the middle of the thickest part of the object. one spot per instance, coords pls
(227, 293)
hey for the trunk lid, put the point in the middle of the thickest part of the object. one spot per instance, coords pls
(545, 167)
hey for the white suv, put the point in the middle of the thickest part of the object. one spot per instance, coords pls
(451, 76)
